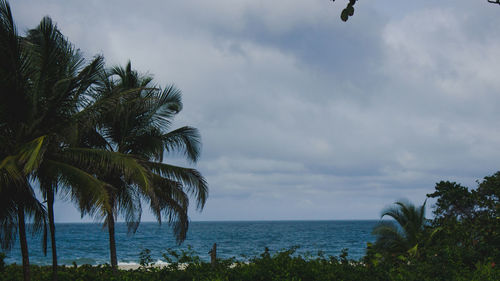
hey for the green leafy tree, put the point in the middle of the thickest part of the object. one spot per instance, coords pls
(488, 217)
(469, 220)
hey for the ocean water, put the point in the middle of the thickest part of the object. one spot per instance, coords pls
(87, 243)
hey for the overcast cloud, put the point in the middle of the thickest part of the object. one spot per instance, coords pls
(304, 116)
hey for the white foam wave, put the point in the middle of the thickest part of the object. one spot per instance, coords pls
(127, 263)
(157, 263)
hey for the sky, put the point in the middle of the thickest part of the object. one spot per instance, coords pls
(303, 116)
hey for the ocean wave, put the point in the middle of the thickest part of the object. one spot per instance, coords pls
(160, 262)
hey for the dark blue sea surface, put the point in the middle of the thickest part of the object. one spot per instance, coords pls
(87, 243)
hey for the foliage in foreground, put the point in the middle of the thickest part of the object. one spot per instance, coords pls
(284, 265)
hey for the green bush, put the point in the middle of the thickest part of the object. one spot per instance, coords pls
(284, 265)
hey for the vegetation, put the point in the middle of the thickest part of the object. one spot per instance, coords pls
(462, 238)
(460, 243)
(284, 265)
(469, 222)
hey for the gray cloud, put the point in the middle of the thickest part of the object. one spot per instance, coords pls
(304, 116)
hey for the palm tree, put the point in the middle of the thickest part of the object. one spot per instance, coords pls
(59, 84)
(44, 87)
(138, 126)
(407, 234)
(64, 86)
(19, 154)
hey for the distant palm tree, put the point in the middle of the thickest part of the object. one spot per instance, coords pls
(407, 234)
(138, 127)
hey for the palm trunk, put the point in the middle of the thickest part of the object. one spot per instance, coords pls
(24, 243)
(52, 226)
(112, 242)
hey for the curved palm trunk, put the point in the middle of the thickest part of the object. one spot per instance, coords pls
(24, 243)
(112, 242)
(52, 226)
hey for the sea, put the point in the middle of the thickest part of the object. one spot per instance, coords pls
(87, 243)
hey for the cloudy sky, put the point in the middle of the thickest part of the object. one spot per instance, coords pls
(304, 116)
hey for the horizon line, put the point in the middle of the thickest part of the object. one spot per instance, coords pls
(233, 220)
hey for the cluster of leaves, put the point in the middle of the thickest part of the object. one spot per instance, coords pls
(469, 221)
(348, 11)
(462, 240)
(284, 265)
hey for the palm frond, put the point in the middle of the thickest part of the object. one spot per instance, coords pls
(95, 110)
(83, 188)
(408, 231)
(103, 161)
(163, 105)
(169, 199)
(9, 171)
(185, 139)
(129, 205)
(147, 143)
(194, 182)
(31, 154)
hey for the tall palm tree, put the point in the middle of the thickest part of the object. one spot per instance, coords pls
(59, 85)
(64, 85)
(408, 232)
(44, 88)
(138, 126)
(17, 157)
